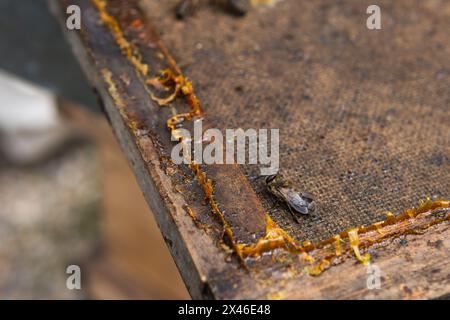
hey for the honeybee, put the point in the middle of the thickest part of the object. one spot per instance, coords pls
(302, 202)
(237, 7)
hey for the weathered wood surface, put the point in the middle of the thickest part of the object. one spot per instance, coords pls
(416, 267)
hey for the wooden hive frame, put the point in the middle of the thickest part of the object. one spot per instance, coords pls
(119, 54)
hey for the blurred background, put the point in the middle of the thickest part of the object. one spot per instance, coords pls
(67, 195)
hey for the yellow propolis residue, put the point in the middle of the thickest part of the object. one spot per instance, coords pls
(117, 98)
(256, 3)
(194, 218)
(275, 237)
(337, 238)
(315, 270)
(275, 296)
(112, 88)
(354, 243)
(127, 48)
(208, 190)
(180, 86)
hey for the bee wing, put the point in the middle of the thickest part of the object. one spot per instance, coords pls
(295, 201)
(300, 209)
(307, 196)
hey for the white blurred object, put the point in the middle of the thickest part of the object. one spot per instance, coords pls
(30, 126)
